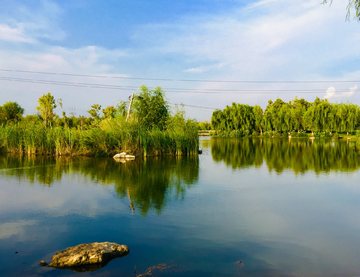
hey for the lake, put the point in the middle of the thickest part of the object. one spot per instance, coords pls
(245, 207)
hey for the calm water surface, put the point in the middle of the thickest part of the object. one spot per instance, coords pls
(283, 208)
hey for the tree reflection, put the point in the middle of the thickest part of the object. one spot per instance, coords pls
(149, 184)
(299, 155)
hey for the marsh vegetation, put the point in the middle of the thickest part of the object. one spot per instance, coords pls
(151, 128)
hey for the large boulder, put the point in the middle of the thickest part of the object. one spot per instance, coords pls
(91, 254)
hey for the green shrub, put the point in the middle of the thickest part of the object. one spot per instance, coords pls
(302, 135)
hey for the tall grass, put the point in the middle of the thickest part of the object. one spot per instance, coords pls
(110, 137)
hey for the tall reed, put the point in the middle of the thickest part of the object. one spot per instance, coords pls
(110, 137)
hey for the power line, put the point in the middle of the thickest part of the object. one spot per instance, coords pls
(180, 80)
(180, 90)
(193, 106)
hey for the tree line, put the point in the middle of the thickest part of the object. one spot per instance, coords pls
(296, 116)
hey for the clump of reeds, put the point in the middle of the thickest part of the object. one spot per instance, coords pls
(111, 136)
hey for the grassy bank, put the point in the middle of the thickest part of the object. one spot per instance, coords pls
(109, 137)
(144, 126)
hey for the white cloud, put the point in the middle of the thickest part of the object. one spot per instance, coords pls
(14, 34)
(195, 70)
(30, 24)
(331, 93)
(202, 69)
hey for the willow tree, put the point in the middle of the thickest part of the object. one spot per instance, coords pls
(243, 117)
(272, 118)
(319, 116)
(267, 118)
(259, 118)
(216, 119)
(298, 109)
(285, 118)
(348, 117)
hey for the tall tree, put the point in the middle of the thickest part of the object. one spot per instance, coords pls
(259, 117)
(298, 109)
(347, 115)
(151, 108)
(46, 108)
(11, 112)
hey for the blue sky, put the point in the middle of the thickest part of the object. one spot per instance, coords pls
(275, 40)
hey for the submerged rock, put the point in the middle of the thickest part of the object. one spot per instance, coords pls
(43, 263)
(87, 257)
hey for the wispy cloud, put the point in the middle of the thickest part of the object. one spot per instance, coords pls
(32, 23)
(202, 69)
(16, 34)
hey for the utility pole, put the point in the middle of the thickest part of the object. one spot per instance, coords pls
(128, 113)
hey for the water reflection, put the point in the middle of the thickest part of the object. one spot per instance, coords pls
(148, 184)
(299, 155)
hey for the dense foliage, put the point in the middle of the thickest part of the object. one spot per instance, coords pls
(150, 130)
(295, 117)
(10, 112)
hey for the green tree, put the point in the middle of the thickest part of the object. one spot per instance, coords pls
(121, 108)
(46, 108)
(298, 109)
(109, 112)
(11, 112)
(320, 116)
(216, 119)
(151, 108)
(205, 125)
(273, 119)
(348, 117)
(95, 112)
(259, 118)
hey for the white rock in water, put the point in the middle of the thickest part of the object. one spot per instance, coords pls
(121, 155)
(88, 254)
(130, 157)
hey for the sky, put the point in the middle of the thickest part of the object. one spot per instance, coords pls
(203, 53)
